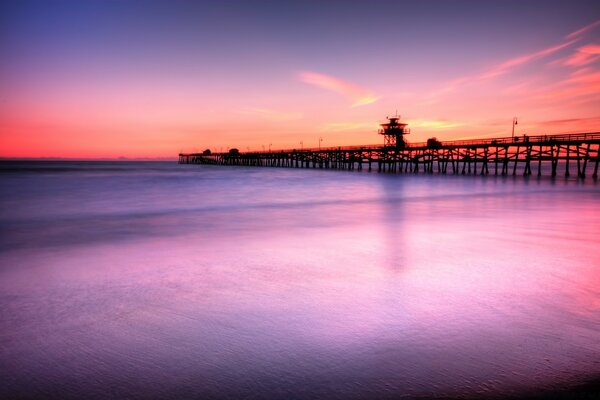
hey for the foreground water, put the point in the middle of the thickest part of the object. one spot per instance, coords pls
(157, 280)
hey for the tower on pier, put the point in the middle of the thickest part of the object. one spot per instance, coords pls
(393, 133)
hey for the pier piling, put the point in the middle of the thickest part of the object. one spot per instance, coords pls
(464, 157)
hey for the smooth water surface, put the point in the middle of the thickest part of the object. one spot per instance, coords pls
(158, 280)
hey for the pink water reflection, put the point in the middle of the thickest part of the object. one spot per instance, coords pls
(418, 286)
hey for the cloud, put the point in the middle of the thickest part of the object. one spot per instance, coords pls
(582, 86)
(578, 33)
(570, 121)
(584, 55)
(506, 66)
(359, 96)
(501, 69)
(567, 125)
(435, 124)
(585, 81)
(494, 72)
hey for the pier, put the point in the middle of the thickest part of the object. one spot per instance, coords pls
(568, 154)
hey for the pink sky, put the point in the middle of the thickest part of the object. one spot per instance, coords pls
(77, 104)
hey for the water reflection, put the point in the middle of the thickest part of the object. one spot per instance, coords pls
(267, 282)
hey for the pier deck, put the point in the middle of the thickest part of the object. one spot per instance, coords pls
(526, 155)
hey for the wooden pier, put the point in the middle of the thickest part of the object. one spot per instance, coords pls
(527, 155)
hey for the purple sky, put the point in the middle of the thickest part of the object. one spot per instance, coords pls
(143, 78)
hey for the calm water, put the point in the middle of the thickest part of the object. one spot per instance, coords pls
(158, 280)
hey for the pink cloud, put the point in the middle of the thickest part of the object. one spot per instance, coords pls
(594, 121)
(578, 33)
(589, 80)
(493, 72)
(359, 96)
(506, 66)
(584, 55)
(582, 85)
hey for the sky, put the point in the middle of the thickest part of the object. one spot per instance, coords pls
(150, 79)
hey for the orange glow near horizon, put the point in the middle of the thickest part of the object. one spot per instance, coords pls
(88, 107)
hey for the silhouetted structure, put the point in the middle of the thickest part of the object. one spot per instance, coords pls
(393, 133)
(433, 143)
(504, 156)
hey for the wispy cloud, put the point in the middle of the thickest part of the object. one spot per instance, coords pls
(494, 72)
(584, 55)
(594, 121)
(359, 96)
(435, 124)
(507, 66)
(579, 32)
(581, 86)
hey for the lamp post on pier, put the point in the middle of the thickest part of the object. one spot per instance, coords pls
(513, 127)
(320, 140)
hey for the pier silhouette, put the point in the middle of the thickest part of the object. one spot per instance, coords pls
(526, 155)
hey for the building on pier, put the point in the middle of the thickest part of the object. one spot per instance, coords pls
(500, 156)
(393, 133)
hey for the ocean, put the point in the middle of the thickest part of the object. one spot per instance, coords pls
(153, 280)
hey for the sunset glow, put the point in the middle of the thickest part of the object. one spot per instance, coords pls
(124, 79)
(273, 199)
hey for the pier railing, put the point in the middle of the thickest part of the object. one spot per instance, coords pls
(517, 140)
(572, 137)
(458, 156)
